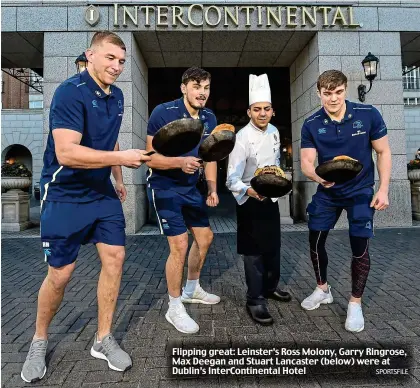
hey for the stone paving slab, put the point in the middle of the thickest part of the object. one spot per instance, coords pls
(391, 307)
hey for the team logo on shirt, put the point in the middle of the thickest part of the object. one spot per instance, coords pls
(165, 224)
(368, 225)
(94, 104)
(358, 124)
(322, 131)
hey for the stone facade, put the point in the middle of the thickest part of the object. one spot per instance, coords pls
(24, 127)
(306, 49)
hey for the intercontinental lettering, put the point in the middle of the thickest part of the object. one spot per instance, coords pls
(264, 16)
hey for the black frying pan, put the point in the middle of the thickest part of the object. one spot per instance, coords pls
(271, 186)
(217, 146)
(339, 171)
(178, 137)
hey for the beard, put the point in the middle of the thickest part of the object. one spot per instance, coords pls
(195, 104)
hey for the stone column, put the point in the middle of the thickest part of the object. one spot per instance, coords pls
(60, 51)
(344, 51)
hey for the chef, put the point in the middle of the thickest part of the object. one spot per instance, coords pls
(258, 236)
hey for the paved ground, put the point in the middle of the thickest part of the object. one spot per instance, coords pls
(392, 312)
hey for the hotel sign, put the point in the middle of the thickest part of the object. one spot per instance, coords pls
(229, 16)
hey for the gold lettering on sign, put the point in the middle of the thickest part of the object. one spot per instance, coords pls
(219, 15)
(147, 13)
(307, 14)
(190, 19)
(291, 16)
(235, 18)
(116, 15)
(198, 15)
(259, 9)
(351, 17)
(248, 13)
(339, 16)
(271, 14)
(177, 13)
(160, 16)
(133, 18)
(325, 11)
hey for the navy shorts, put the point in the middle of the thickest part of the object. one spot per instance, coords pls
(176, 212)
(65, 226)
(325, 210)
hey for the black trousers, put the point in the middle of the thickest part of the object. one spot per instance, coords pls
(259, 241)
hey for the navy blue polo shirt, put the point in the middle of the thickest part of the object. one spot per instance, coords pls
(352, 137)
(176, 179)
(79, 104)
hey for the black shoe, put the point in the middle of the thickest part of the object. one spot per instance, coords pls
(281, 296)
(260, 314)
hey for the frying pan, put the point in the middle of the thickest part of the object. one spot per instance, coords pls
(217, 146)
(339, 171)
(177, 137)
(270, 185)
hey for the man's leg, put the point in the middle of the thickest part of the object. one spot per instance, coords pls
(105, 347)
(177, 315)
(193, 293)
(323, 214)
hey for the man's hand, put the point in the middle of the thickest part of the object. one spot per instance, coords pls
(324, 183)
(134, 158)
(252, 193)
(190, 164)
(380, 200)
(212, 199)
(121, 191)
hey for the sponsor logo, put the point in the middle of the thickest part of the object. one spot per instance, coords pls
(94, 104)
(358, 124)
(165, 224)
(359, 132)
(47, 251)
(322, 131)
(368, 225)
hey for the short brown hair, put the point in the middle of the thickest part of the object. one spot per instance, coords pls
(331, 79)
(195, 74)
(107, 36)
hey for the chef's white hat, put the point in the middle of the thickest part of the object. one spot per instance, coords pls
(259, 89)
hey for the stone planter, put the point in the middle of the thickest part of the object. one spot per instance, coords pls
(414, 177)
(15, 183)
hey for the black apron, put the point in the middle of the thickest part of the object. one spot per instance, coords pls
(258, 227)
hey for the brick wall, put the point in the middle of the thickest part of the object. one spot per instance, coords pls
(15, 94)
(412, 130)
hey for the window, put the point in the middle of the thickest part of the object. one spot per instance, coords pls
(36, 104)
(411, 80)
(412, 101)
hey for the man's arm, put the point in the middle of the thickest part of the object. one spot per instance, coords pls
(71, 154)
(188, 164)
(211, 176)
(381, 146)
(117, 170)
(307, 164)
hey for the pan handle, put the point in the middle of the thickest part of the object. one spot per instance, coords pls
(150, 153)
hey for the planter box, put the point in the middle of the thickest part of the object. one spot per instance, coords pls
(414, 176)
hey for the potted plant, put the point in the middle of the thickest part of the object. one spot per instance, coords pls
(15, 176)
(413, 168)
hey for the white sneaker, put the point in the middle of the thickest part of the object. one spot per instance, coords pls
(199, 296)
(179, 318)
(317, 298)
(355, 321)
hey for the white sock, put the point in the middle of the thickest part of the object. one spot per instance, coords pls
(190, 286)
(174, 301)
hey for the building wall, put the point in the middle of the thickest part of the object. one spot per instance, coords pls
(344, 51)
(24, 127)
(412, 130)
(15, 94)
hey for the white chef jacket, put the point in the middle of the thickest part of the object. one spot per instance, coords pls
(254, 148)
